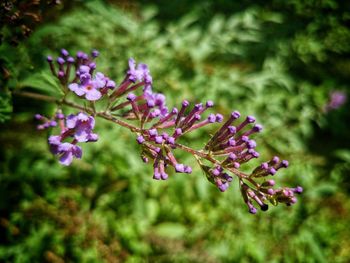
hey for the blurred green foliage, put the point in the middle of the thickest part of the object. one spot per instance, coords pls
(275, 60)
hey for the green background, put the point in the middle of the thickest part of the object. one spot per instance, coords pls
(276, 60)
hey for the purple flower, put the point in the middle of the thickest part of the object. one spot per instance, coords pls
(54, 142)
(159, 139)
(298, 190)
(70, 60)
(179, 168)
(134, 73)
(60, 115)
(60, 61)
(84, 69)
(158, 100)
(80, 128)
(212, 118)
(188, 169)
(131, 97)
(140, 139)
(222, 186)
(219, 117)
(95, 53)
(64, 52)
(337, 99)
(227, 150)
(67, 151)
(89, 87)
(209, 104)
(153, 132)
(110, 84)
(53, 123)
(38, 116)
(80, 54)
(92, 137)
(82, 125)
(171, 140)
(139, 72)
(92, 65)
(47, 122)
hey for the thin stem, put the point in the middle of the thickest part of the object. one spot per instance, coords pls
(117, 121)
(76, 106)
(36, 96)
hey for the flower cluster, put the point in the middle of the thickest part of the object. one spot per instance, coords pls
(159, 145)
(48, 122)
(83, 83)
(159, 130)
(231, 146)
(76, 128)
(145, 106)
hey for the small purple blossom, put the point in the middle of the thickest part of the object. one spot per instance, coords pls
(47, 122)
(209, 104)
(70, 60)
(95, 53)
(138, 72)
(110, 84)
(82, 125)
(140, 139)
(60, 115)
(64, 52)
(219, 117)
(79, 127)
(337, 99)
(89, 87)
(179, 168)
(67, 151)
(188, 169)
(38, 116)
(54, 142)
(158, 100)
(92, 87)
(60, 61)
(131, 97)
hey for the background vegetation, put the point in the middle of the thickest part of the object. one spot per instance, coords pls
(276, 60)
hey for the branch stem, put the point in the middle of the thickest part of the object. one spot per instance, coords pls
(107, 116)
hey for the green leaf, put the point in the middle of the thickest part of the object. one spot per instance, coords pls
(343, 155)
(43, 82)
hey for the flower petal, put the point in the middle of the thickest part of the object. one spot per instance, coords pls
(132, 64)
(99, 81)
(92, 94)
(71, 121)
(77, 152)
(77, 89)
(66, 158)
(81, 136)
(84, 69)
(92, 137)
(55, 140)
(65, 147)
(82, 116)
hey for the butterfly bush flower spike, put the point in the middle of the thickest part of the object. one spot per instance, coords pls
(159, 132)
